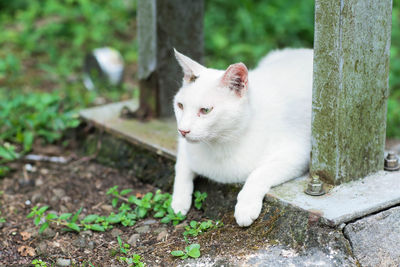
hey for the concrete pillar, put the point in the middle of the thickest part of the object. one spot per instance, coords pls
(350, 88)
(163, 25)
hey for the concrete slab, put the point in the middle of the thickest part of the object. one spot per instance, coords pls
(341, 204)
(156, 135)
(345, 202)
(278, 256)
(376, 239)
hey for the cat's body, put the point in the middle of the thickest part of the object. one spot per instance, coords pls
(256, 129)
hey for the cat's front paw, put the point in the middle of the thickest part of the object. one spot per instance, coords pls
(246, 211)
(181, 203)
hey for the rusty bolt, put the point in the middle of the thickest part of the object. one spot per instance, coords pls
(315, 187)
(392, 162)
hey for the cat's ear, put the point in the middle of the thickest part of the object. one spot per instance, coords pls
(235, 78)
(191, 69)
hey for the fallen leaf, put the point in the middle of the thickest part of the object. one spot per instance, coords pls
(26, 251)
(139, 195)
(25, 235)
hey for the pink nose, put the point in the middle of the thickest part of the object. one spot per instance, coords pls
(184, 133)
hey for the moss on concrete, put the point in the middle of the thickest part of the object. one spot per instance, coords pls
(350, 90)
(145, 165)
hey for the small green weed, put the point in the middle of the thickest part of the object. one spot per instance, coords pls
(39, 263)
(65, 219)
(159, 204)
(130, 210)
(195, 228)
(90, 222)
(199, 199)
(133, 259)
(2, 219)
(192, 251)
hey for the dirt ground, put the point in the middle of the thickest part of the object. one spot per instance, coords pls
(83, 183)
(65, 187)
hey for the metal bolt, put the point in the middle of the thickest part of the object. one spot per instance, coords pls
(315, 187)
(392, 162)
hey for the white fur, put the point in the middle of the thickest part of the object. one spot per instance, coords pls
(261, 138)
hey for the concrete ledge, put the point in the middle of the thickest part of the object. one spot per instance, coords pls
(341, 204)
(158, 136)
(345, 202)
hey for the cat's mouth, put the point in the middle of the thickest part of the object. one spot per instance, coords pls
(192, 140)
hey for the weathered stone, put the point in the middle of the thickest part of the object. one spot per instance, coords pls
(180, 226)
(54, 201)
(281, 256)
(162, 235)
(278, 256)
(142, 229)
(116, 232)
(295, 227)
(86, 233)
(163, 25)
(91, 245)
(376, 239)
(159, 230)
(63, 262)
(39, 181)
(350, 89)
(49, 233)
(107, 208)
(149, 222)
(59, 192)
(80, 242)
(133, 240)
(36, 197)
(41, 248)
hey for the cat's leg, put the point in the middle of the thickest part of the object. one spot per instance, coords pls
(279, 168)
(183, 183)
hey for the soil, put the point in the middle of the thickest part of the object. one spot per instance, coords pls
(83, 183)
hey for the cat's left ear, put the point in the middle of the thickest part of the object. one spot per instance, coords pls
(191, 69)
(236, 78)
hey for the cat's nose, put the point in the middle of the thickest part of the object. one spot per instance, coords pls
(183, 132)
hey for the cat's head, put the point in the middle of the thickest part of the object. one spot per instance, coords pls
(211, 105)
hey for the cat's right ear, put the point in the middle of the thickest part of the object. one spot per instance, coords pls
(191, 69)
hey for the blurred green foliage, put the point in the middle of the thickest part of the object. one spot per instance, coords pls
(43, 44)
(245, 30)
(56, 34)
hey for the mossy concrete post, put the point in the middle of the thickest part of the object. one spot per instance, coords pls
(350, 88)
(163, 25)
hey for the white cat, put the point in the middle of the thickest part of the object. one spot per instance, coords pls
(243, 127)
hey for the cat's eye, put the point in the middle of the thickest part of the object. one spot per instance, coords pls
(205, 110)
(180, 105)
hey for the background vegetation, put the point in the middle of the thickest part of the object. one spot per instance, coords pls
(43, 44)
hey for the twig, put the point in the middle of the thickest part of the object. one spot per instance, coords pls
(33, 157)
